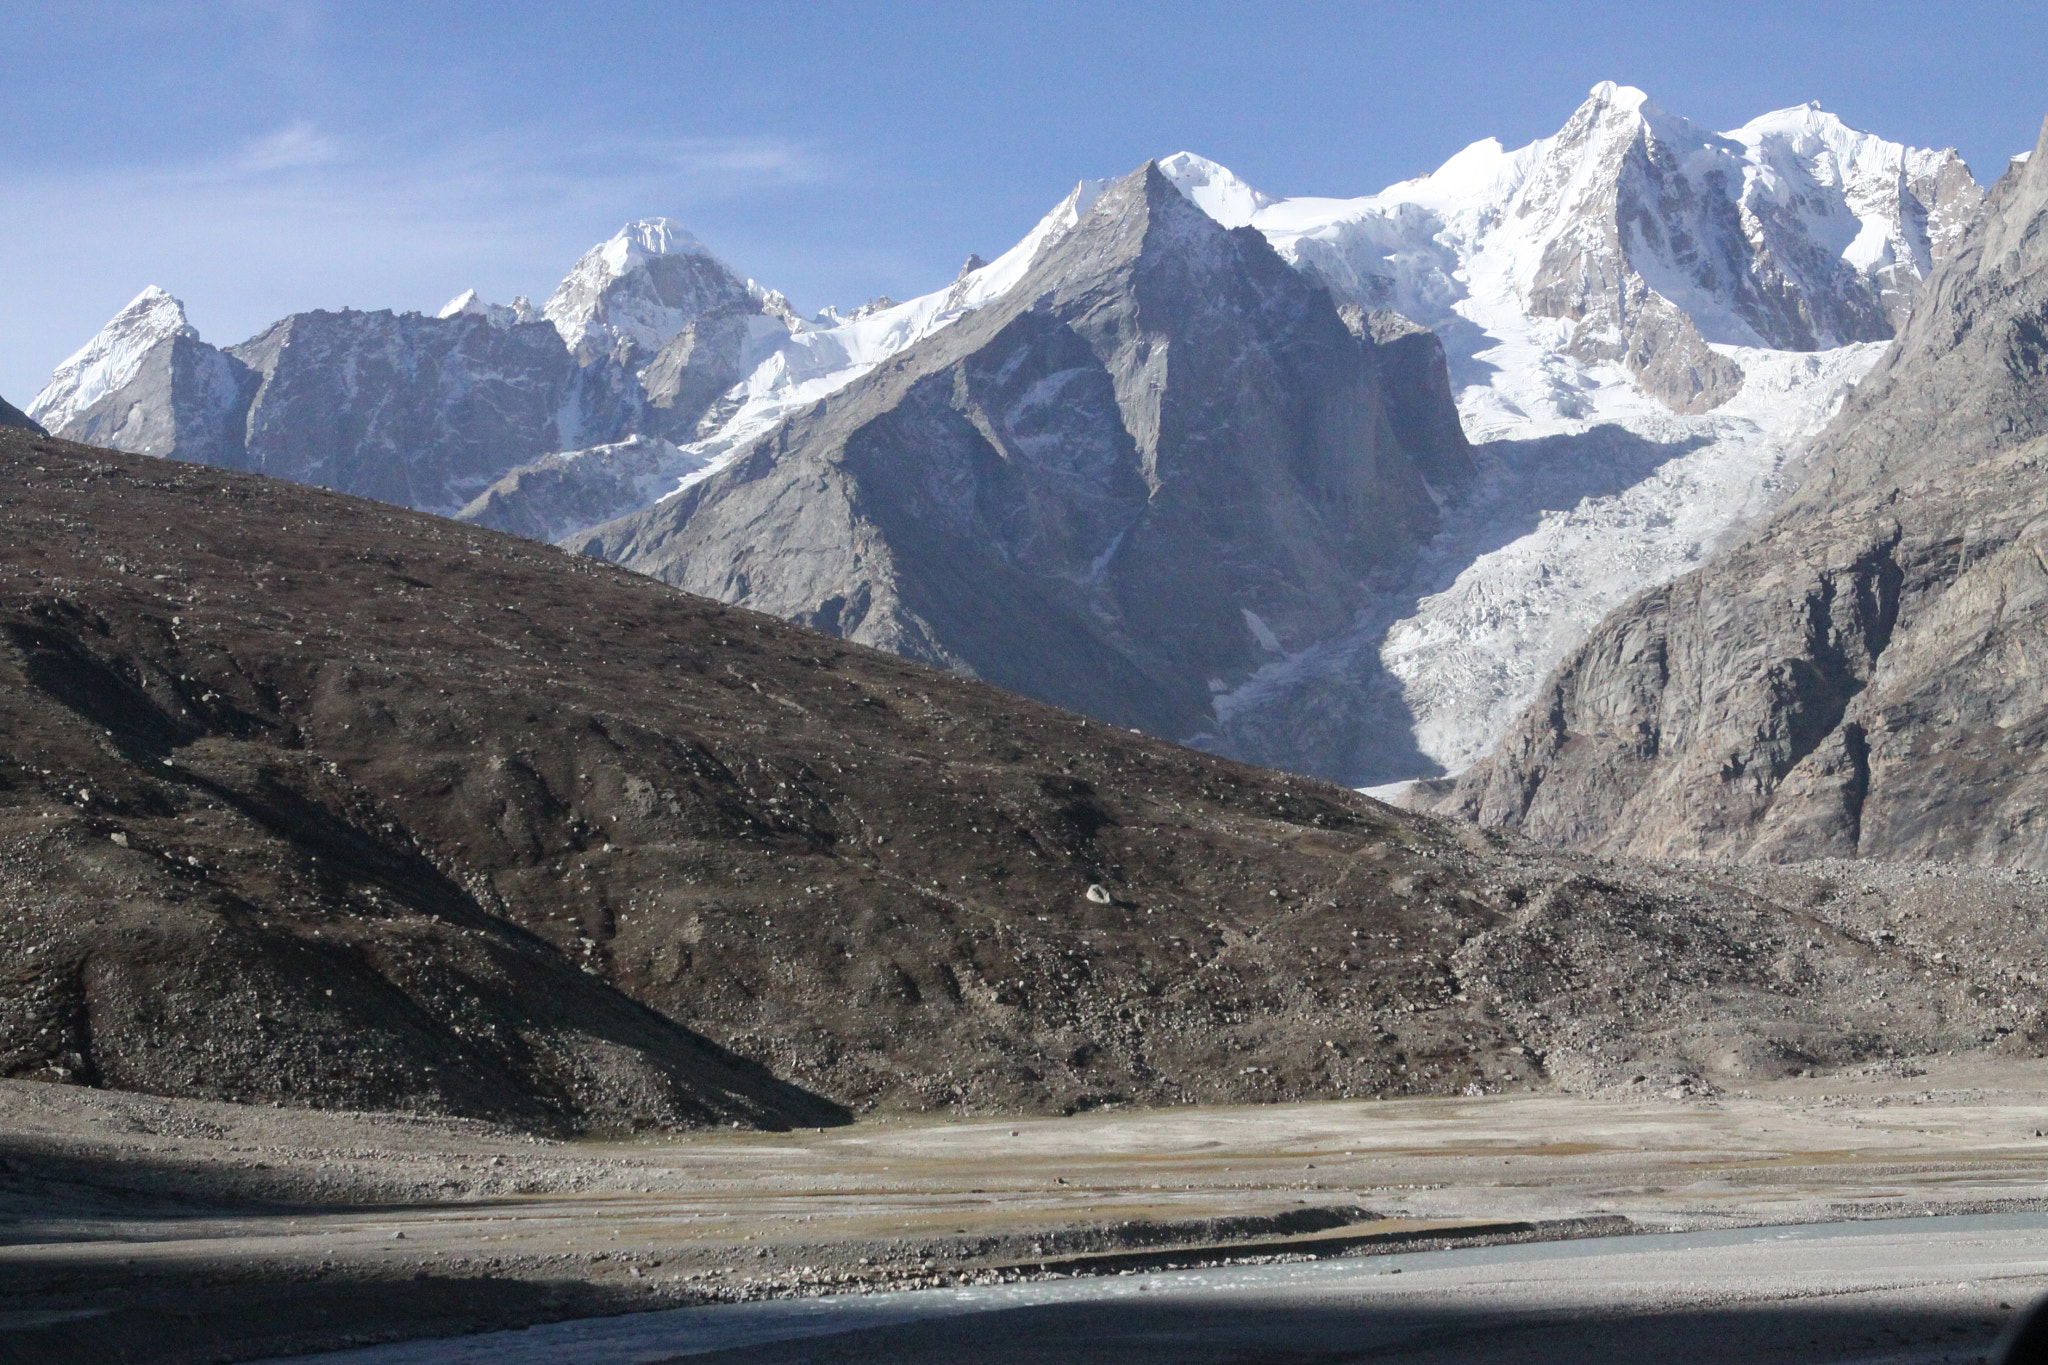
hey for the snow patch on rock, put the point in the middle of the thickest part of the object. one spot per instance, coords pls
(471, 303)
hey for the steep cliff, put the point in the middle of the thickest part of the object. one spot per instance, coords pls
(1159, 460)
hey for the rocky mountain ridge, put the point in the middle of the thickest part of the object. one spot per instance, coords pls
(1858, 677)
(1158, 459)
(1643, 321)
(640, 339)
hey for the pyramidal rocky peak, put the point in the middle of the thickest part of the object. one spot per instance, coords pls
(1637, 321)
(109, 363)
(1159, 459)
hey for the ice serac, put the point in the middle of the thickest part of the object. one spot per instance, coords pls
(1862, 676)
(1157, 458)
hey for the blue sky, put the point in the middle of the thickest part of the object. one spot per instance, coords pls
(260, 156)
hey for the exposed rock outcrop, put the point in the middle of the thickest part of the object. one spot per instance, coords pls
(1158, 461)
(1863, 675)
(11, 416)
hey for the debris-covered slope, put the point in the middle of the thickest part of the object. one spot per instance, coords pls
(530, 817)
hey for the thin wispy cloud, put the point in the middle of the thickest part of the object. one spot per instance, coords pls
(289, 148)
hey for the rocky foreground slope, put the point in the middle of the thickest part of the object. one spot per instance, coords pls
(315, 801)
(1862, 676)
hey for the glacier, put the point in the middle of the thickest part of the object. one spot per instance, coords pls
(1595, 484)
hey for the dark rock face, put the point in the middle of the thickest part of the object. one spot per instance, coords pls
(1862, 676)
(1407, 361)
(1160, 461)
(11, 416)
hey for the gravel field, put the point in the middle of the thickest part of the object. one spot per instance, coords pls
(141, 1228)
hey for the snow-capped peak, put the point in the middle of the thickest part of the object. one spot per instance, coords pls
(521, 309)
(645, 237)
(1214, 189)
(111, 358)
(641, 287)
(1626, 98)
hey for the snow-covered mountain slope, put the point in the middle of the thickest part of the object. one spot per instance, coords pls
(778, 371)
(634, 293)
(1644, 321)
(794, 371)
(1632, 239)
(565, 492)
(471, 303)
(110, 360)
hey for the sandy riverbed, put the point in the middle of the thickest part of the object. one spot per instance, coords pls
(143, 1228)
